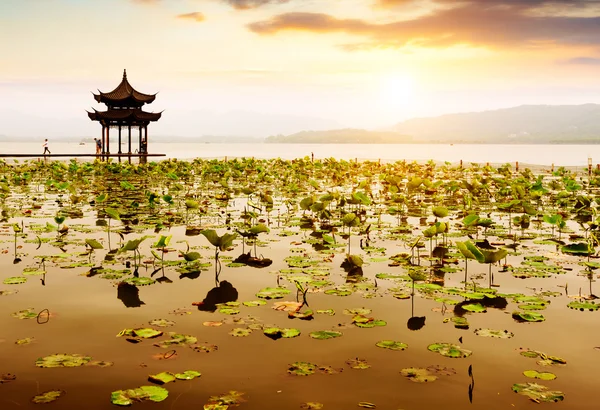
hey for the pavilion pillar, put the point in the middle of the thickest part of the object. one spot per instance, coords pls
(129, 139)
(140, 140)
(102, 139)
(120, 140)
(108, 140)
(146, 139)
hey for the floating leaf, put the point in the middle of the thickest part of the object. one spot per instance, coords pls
(325, 334)
(130, 396)
(161, 322)
(357, 363)
(392, 345)
(538, 393)
(302, 368)
(418, 375)
(500, 334)
(528, 317)
(272, 293)
(143, 332)
(188, 375)
(449, 350)
(47, 397)
(239, 332)
(161, 378)
(534, 374)
(25, 314)
(15, 280)
(62, 360)
(581, 305)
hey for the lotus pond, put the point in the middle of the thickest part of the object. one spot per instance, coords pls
(271, 284)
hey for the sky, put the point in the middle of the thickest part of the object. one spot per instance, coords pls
(263, 67)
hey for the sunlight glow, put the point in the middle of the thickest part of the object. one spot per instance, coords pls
(397, 90)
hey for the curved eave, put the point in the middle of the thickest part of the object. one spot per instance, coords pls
(124, 115)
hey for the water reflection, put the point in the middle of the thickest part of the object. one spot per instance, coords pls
(129, 295)
(223, 293)
(415, 322)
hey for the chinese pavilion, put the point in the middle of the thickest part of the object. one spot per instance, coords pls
(124, 111)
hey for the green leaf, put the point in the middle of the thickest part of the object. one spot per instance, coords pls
(534, 374)
(113, 213)
(350, 220)
(163, 241)
(62, 360)
(449, 350)
(538, 393)
(94, 244)
(259, 229)
(440, 211)
(130, 396)
(188, 375)
(391, 345)
(47, 397)
(161, 378)
(191, 204)
(325, 334)
(191, 256)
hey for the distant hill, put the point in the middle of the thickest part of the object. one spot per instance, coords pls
(341, 136)
(525, 124)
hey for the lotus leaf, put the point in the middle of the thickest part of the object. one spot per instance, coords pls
(325, 334)
(449, 350)
(338, 292)
(188, 375)
(254, 303)
(499, 334)
(302, 368)
(460, 322)
(534, 374)
(418, 375)
(130, 396)
(277, 333)
(475, 307)
(161, 322)
(528, 317)
(177, 340)
(581, 305)
(161, 378)
(311, 405)
(272, 293)
(357, 311)
(25, 341)
(15, 280)
(239, 332)
(47, 397)
(233, 398)
(329, 312)
(392, 345)
(62, 360)
(33, 271)
(25, 314)
(537, 392)
(140, 281)
(143, 332)
(357, 363)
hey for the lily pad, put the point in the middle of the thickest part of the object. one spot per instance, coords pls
(25, 314)
(581, 305)
(161, 378)
(254, 303)
(177, 340)
(392, 345)
(233, 398)
(499, 334)
(449, 350)
(143, 332)
(325, 334)
(418, 375)
(161, 323)
(528, 316)
(140, 281)
(302, 368)
(475, 307)
(47, 397)
(15, 280)
(188, 375)
(62, 360)
(278, 333)
(538, 393)
(240, 332)
(357, 363)
(272, 293)
(130, 396)
(534, 374)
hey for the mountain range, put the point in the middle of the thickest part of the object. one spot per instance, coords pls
(527, 124)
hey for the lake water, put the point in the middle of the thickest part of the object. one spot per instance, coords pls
(565, 155)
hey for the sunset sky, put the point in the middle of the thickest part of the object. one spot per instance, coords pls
(354, 63)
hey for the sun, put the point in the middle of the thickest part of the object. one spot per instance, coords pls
(397, 90)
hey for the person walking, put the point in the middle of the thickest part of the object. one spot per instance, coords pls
(45, 145)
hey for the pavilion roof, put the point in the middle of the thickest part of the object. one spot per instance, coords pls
(126, 115)
(123, 93)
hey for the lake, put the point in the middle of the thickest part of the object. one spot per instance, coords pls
(565, 155)
(107, 284)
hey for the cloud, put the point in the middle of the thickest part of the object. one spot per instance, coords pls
(195, 16)
(252, 4)
(486, 23)
(583, 61)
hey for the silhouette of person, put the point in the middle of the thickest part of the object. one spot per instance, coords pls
(45, 145)
(223, 293)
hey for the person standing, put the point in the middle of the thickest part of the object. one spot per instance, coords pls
(45, 145)
(98, 145)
